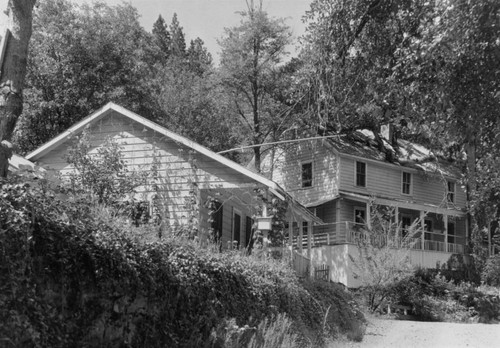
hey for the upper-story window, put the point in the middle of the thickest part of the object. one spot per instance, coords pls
(450, 191)
(307, 174)
(360, 174)
(406, 183)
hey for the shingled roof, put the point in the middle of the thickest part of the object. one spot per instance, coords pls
(362, 143)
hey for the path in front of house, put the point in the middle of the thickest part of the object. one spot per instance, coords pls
(383, 332)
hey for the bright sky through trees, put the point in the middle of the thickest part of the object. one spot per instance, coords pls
(205, 18)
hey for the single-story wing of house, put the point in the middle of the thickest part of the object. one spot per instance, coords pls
(192, 184)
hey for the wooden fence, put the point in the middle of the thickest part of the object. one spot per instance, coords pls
(322, 272)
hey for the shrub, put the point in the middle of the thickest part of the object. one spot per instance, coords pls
(383, 255)
(434, 298)
(103, 174)
(341, 315)
(70, 276)
(491, 271)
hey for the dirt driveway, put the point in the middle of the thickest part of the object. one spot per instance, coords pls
(408, 334)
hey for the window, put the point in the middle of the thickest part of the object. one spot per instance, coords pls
(359, 215)
(307, 174)
(360, 174)
(450, 193)
(304, 227)
(406, 184)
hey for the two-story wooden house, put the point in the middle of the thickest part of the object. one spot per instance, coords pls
(339, 178)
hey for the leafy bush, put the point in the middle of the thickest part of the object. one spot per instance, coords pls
(342, 315)
(102, 174)
(491, 271)
(434, 298)
(70, 276)
(384, 254)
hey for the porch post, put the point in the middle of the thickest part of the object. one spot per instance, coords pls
(265, 235)
(422, 226)
(309, 247)
(396, 220)
(290, 233)
(368, 216)
(301, 235)
(309, 238)
(445, 222)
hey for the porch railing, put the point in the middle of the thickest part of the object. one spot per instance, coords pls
(350, 232)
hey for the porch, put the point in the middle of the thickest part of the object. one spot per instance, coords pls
(348, 232)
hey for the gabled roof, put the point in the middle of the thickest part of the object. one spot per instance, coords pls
(17, 162)
(112, 107)
(362, 144)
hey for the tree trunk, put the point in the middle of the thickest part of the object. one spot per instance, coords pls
(471, 185)
(13, 71)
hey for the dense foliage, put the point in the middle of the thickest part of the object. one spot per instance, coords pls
(250, 73)
(491, 271)
(432, 297)
(84, 56)
(73, 274)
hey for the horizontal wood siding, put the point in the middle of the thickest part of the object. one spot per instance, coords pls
(384, 181)
(178, 167)
(286, 169)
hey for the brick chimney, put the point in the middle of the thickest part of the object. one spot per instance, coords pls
(387, 132)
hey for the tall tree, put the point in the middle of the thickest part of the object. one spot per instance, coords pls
(194, 105)
(162, 37)
(454, 70)
(178, 44)
(351, 51)
(12, 72)
(250, 58)
(434, 65)
(198, 58)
